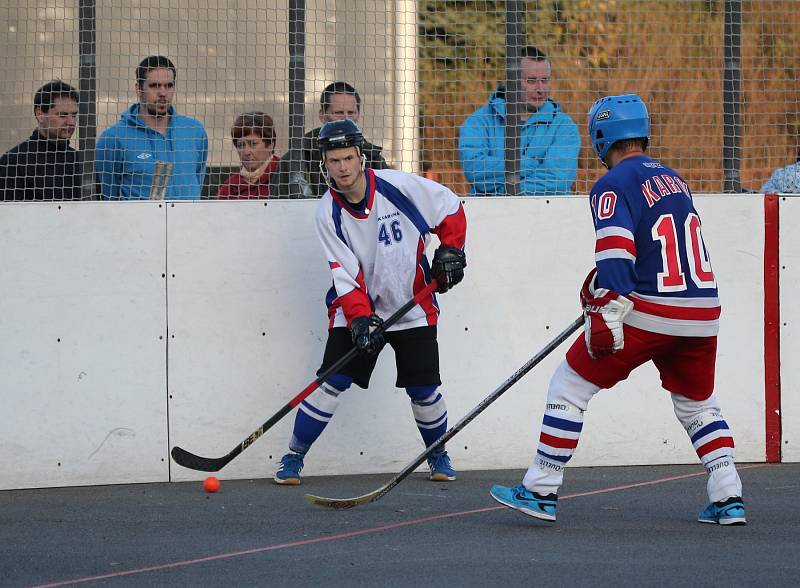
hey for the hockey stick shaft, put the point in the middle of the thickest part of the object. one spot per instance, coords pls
(345, 503)
(165, 175)
(155, 186)
(214, 464)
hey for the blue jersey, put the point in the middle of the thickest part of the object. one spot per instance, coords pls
(649, 247)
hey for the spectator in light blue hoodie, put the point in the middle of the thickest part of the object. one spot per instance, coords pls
(784, 180)
(148, 132)
(548, 138)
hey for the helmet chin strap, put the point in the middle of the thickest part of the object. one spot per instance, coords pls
(324, 171)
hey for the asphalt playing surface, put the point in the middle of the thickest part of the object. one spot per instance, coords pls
(625, 525)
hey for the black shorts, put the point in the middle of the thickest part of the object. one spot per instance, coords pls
(416, 355)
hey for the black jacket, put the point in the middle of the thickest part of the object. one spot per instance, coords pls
(38, 169)
(311, 184)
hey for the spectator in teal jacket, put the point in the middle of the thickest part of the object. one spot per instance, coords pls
(548, 138)
(148, 132)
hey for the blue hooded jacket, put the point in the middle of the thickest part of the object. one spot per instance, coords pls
(549, 144)
(127, 153)
(784, 180)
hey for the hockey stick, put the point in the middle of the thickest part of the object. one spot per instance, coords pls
(158, 189)
(214, 464)
(345, 503)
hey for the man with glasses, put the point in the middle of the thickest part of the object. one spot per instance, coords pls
(339, 101)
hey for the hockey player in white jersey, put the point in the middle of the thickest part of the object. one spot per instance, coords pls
(374, 226)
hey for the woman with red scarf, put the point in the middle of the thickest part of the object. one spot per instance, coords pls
(253, 136)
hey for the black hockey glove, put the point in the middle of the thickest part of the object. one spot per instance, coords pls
(448, 267)
(367, 334)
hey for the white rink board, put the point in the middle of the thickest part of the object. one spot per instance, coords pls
(245, 323)
(790, 327)
(83, 368)
(527, 259)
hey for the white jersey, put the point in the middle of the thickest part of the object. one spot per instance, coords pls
(377, 255)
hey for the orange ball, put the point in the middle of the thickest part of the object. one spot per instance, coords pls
(211, 484)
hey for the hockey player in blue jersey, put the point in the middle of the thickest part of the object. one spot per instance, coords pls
(651, 297)
(374, 226)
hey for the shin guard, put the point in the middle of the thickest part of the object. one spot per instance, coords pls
(713, 442)
(430, 412)
(567, 400)
(316, 411)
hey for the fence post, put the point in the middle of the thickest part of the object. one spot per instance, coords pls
(515, 38)
(298, 186)
(87, 102)
(731, 97)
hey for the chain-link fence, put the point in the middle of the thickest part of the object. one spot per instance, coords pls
(488, 97)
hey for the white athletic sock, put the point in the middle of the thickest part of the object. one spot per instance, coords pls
(313, 415)
(567, 400)
(430, 412)
(713, 442)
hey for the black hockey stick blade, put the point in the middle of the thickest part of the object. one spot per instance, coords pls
(345, 503)
(214, 464)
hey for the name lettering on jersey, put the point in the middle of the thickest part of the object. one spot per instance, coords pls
(385, 216)
(666, 186)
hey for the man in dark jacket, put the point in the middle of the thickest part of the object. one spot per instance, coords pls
(339, 101)
(45, 167)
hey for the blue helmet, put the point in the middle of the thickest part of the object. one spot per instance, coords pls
(614, 118)
(340, 133)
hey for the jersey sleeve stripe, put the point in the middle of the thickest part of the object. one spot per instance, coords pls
(403, 204)
(422, 278)
(452, 231)
(615, 242)
(614, 232)
(356, 302)
(614, 254)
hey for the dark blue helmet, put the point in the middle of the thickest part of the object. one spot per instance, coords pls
(340, 133)
(615, 118)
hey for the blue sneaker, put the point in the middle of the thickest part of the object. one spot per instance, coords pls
(289, 472)
(521, 499)
(441, 468)
(725, 512)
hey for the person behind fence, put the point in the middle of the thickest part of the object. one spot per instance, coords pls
(151, 136)
(253, 135)
(374, 226)
(339, 101)
(548, 138)
(784, 180)
(45, 166)
(652, 296)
